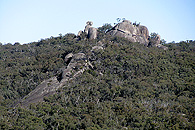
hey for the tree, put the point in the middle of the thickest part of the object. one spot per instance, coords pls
(153, 35)
(162, 41)
(60, 35)
(118, 20)
(16, 44)
(105, 28)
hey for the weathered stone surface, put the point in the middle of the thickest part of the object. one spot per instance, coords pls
(89, 24)
(90, 31)
(132, 32)
(68, 58)
(97, 48)
(144, 32)
(86, 30)
(135, 33)
(76, 67)
(46, 88)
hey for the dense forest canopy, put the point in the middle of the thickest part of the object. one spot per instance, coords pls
(130, 87)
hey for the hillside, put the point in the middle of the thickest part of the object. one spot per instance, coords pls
(130, 86)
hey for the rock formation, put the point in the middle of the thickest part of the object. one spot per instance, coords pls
(77, 65)
(90, 31)
(135, 33)
(89, 24)
(97, 48)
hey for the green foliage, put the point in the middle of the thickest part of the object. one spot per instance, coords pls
(153, 35)
(130, 87)
(102, 30)
(105, 28)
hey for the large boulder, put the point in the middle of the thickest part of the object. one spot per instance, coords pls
(68, 58)
(133, 32)
(90, 31)
(88, 25)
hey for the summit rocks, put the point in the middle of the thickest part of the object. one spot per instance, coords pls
(90, 31)
(134, 33)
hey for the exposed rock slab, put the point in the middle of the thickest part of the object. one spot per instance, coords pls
(46, 88)
(76, 67)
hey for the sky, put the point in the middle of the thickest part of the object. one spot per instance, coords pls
(26, 21)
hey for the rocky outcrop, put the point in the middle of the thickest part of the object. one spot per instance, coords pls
(91, 32)
(135, 33)
(77, 65)
(89, 25)
(97, 48)
(46, 88)
(68, 58)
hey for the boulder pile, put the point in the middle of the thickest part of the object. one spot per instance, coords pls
(135, 33)
(132, 31)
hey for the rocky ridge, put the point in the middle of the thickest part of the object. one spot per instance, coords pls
(132, 31)
(135, 33)
(78, 63)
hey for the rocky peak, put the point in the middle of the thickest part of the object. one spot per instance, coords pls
(89, 31)
(135, 33)
(132, 31)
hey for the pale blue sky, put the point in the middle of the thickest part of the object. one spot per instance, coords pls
(26, 21)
